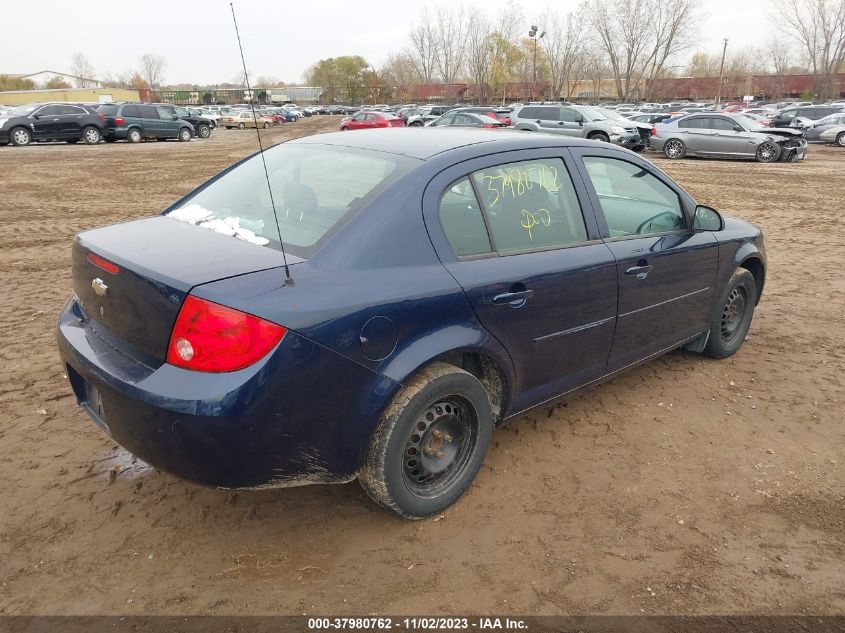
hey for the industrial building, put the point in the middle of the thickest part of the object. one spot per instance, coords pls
(75, 95)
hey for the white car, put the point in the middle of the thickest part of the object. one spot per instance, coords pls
(834, 135)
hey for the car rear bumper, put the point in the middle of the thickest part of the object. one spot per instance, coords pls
(303, 414)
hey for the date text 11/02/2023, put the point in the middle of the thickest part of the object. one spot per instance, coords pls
(417, 624)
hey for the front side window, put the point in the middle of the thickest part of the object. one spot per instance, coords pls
(569, 115)
(50, 110)
(634, 201)
(530, 205)
(725, 125)
(315, 188)
(462, 222)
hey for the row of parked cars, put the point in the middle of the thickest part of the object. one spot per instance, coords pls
(92, 123)
(693, 130)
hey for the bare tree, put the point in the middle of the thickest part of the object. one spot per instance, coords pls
(479, 58)
(819, 28)
(424, 47)
(564, 47)
(152, 69)
(83, 71)
(673, 25)
(450, 38)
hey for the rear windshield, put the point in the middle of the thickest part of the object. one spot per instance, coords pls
(107, 110)
(315, 188)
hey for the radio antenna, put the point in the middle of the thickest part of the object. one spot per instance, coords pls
(288, 278)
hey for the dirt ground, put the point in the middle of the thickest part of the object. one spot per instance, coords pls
(684, 486)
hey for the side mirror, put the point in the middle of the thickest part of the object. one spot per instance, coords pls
(707, 219)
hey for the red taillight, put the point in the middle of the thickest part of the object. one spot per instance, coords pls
(490, 125)
(119, 120)
(211, 337)
(105, 264)
(654, 131)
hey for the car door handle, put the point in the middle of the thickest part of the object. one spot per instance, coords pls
(641, 270)
(515, 299)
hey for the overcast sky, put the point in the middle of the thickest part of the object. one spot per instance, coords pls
(280, 39)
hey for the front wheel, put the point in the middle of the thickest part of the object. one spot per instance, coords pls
(266, 125)
(840, 140)
(674, 148)
(185, 134)
(21, 136)
(429, 443)
(203, 131)
(601, 136)
(736, 309)
(241, 125)
(768, 152)
(91, 135)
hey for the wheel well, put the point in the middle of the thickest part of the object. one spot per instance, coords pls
(488, 373)
(755, 267)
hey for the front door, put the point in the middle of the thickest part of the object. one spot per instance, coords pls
(169, 123)
(666, 271)
(47, 122)
(515, 238)
(727, 139)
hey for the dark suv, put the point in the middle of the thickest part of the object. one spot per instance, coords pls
(51, 122)
(201, 124)
(137, 121)
(785, 117)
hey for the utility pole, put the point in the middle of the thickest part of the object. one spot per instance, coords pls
(532, 33)
(721, 70)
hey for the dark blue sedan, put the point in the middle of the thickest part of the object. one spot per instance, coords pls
(438, 284)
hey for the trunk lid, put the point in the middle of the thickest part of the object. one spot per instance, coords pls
(159, 260)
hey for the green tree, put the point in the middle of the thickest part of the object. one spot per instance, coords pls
(15, 83)
(56, 82)
(335, 74)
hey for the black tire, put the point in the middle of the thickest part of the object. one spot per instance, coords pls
(203, 130)
(600, 136)
(674, 148)
(415, 124)
(442, 407)
(266, 125)
(91, 135)
(20, 136)
(344, 129)
(840, 140)
(134, 135)
(241, 125)
(733, 315)
(185, 134)
(767, 152)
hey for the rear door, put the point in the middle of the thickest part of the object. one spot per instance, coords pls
(512, 232)
(696, 133)
(72, 118)
(666, 271)
(150, 122)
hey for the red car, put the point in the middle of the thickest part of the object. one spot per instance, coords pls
(369, 120)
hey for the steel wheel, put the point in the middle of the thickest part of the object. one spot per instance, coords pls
(439, 446)
(91, 135)
(21, 136)
(134, 135)
(733, 315)
(673, 148)
(185, 134)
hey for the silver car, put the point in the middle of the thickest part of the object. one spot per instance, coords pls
(727, 136)
(572, 120)
(814, 129)
(834, 135)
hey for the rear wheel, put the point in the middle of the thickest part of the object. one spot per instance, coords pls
(241, 125)
(430, 442)
(840, 140)
(20, 136)
(768, 152)
(203, 131)
(344, 129)
(674, 148)
(266, 125)
(730, 326)
(134, 135)
(91, 135)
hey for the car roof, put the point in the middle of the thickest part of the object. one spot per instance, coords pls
(424, 144)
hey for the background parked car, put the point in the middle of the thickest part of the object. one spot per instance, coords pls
(244, 119)
(501, 114)
(202, 126)
(370, 120)
(465, 118)
(785, 117)
(138, 121)
(571, 120)
(727, 135)
(814, 130)
(51, 122)
(834, 135)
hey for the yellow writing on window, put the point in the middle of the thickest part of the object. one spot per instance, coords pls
(530, 219)
(516, 182)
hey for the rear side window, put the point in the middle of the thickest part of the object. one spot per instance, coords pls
(633, 201)
(528, 113)
(131, 110)
(530, 205)
(462, 222)
(695, 123)
(147, 112)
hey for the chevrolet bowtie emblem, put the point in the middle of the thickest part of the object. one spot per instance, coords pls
(99, 287)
